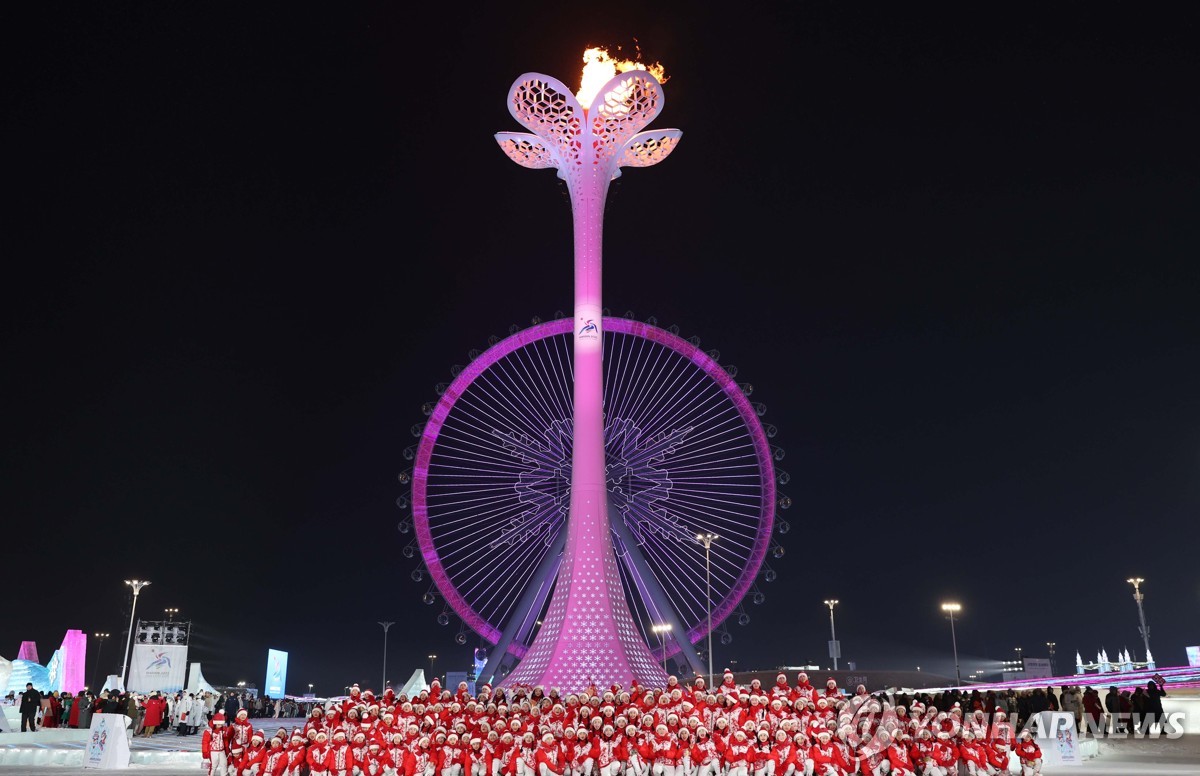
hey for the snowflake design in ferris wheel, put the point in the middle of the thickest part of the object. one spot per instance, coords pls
(635, 476)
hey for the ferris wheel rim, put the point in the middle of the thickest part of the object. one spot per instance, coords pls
(618, 325)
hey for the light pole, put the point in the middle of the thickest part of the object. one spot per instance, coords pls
(1137, 596)
(137, 585)
(310, 686)
(431, 659)
(953, 609)
(1050, 646)
(171, 614)
(383, 684)
(707, 540)
(835, 649)
(662, 630)
(100, 637)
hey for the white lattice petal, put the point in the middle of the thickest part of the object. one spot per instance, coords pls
(624, 106)
(547, 108)
(526, 150)
(647, 149)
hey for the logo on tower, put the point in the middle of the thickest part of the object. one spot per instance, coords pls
(588, 329)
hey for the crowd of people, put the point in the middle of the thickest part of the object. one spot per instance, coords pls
(788, 729)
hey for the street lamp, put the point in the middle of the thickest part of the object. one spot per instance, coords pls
(431, 659)
(707, 540)
(310, 686)
(137, 585)
(661, 630)
(953, 609)
(1050, 646)
(100, 637)
(171, 614)
(385, 625)
(835, 649)
(1137, 596)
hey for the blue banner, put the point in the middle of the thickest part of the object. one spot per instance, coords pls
(276, 683)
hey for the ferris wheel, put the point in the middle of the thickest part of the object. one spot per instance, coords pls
(687, 455)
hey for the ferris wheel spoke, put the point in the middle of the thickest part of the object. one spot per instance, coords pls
(649, 584)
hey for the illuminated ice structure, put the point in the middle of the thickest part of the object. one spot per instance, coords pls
(1124, 663)
(588, 636)
(64, 673)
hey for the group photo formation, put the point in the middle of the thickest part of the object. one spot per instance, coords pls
(782, 730)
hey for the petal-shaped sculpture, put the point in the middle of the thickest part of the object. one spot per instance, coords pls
(647, 149)
(526, 149)
(625, 105)
(549, 110)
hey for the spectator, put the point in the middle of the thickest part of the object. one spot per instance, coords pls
(31, 701)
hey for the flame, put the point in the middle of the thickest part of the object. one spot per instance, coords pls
(599, 68)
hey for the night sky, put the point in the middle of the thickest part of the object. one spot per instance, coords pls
(955, 252)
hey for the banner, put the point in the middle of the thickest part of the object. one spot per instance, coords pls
(108, 742)
(1193, 656)
(276, 674)
(1037, 668)
(157, 667)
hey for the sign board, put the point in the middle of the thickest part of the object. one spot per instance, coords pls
(108, 742)
(1058, 737)
(1193, 655)
(276, 673)
(835, 649)
(1037, 668)
(158, 667)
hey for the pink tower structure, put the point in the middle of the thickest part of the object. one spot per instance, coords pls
(588, 636)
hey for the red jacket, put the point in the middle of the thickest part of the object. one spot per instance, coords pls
(1028, 750)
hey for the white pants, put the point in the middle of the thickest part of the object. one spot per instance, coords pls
(739, 769)
(826, 770)
(768, 769)
(883, 769)
(1031, 767)
(525, 770)
(614, 768)
(220, 765)
(635, 767)
(709, 769)
(584, 769)
(662, 769)
(479, 769)
(453, 770)
(545, 770)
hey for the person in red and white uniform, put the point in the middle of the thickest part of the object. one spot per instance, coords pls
(762, 754)
(549, 757)
(737, 755)
(340, 758)
(582, 753)
(277, 758)
(1029, 753)
(899, 757)
(728, 686)
(296, 750)
(450, 757)
(255, 755)
(525, 760)
(826, 757)
(214, 745)
(378, 761)
(419, 760)
(477, 759)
